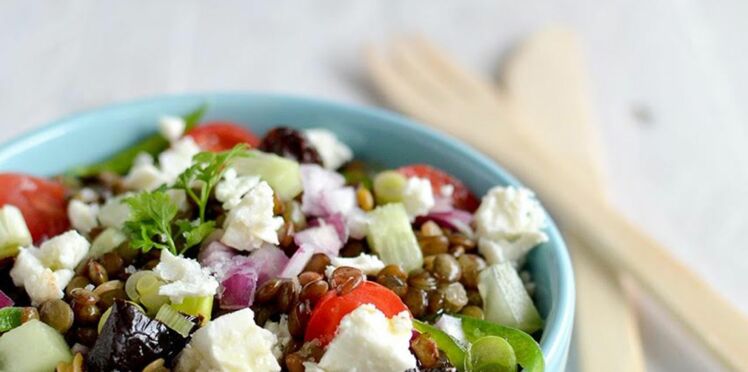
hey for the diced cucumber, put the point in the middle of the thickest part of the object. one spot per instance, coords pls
(392, 238)
(196, 306)
(33, 347)
(505, 299)
(281, 174)
(389, 186)
(13, 231)
(107, 241)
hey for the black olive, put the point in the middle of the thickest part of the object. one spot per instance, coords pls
(290, 143)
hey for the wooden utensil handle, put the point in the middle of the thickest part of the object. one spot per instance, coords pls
(623, 246)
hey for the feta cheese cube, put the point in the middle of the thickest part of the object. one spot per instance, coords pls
(64, 251)
(509, 223)
(82, 216)
(367, 341)
(171, 127)
(177, 158)
(184, 277)
(47, 285)
(13, 230)
(144, 177)
(232, 188)
(369, 264)
(231, 342)
(333, 152)
(115, 212)
(282, 334)
(27, 264)
(418, 197)
(252, 223)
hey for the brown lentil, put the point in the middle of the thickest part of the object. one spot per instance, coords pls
(353, 248)
(57, 314)
(298, 319)
(417, 301)
(307, 277)
(456, 250)
(436, 302)
(474, 298)
(86, 335)
(313, 291)
(292, 212)
(393, 283)
(393, 270)
(150, 264)
(113, 263)
(425, 350)
(421, 279)
(286, 297)
(268, 291)
(318, 263)
(295, 362)
(446, 268)
(461, 239)
(86, 314)
(77, 282)
(428, 263)
(97, 273)
(345, 279)
(471, 266)
(83, 296)
(433, 244)
(364, 198)
(472, 311)
(431, 228)
(455, 297)
(285, 235)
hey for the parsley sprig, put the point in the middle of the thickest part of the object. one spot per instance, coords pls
(152, 220)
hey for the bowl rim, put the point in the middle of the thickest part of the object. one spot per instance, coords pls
(556, 334)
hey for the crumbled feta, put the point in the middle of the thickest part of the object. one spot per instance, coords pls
(282, 334)
(82, 216)
(230, 343)
(367, 341)
(333, 152)
(418, 197)
(41, 283)
(115, 212)
(358, 223)
(184, 278)
(509, 223)
(171, 127)
(252, 222)
(144, 175)
(13, 229)
(232, 188)
(64, 251)
(368, 263)
(88, 195)
(452, 326)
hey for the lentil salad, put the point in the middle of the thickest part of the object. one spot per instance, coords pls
(206, 247)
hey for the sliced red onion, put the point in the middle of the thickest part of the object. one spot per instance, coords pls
(5, 301)
(342, 201)
(455, 219)
(337, 221)
(315, 180)
(215, 256)
(297, 262)
(244, 274)
(321, 239)
(238, 288)
(270, 261)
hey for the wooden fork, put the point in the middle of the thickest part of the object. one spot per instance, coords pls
(418, 79)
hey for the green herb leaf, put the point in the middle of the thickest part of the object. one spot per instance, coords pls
(451, 348)
(149, 225)
(526, 349)
(491, 354)
(194, 232)
(121, 162)
(205, 172)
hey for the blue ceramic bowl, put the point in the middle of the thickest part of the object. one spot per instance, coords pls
(374, 135)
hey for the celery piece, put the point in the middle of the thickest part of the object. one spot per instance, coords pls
(10, 317)
(196, 306)
(13, 231)
(122, 161)
(491, 354)
(526, 349)
(107, 241)
(389, 186)
(174, 320)
(283, 175)
(505, 299)
(392, 238)
(33, 347)
(451, 348)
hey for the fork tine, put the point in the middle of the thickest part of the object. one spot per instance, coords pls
(397, 89)
(422, 73)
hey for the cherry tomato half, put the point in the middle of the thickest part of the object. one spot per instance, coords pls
(331, 308)
(462, 198)
(221, 136)
(41, 202)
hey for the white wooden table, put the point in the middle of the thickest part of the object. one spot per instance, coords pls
(668, 76)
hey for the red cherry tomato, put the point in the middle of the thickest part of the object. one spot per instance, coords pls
(331, 308)
(221, 136)
(41, 202)
(462, 198)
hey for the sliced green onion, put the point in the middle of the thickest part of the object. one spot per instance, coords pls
(174, 320)
(10, 317)
(389, 186)
(491, 354)
(131, 284)
(148, 284)
(196, 306)
(153, 302)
